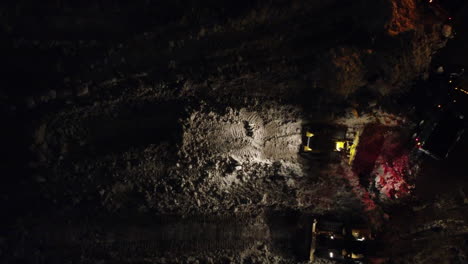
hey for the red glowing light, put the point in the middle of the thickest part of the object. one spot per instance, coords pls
(417, 139)
(391, 181)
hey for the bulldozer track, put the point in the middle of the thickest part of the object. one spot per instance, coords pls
(164, 235)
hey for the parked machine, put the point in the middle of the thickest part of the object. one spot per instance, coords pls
(437, 136)
(336, 240)
(322, 141)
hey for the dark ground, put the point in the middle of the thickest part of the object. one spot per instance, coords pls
(170, 131)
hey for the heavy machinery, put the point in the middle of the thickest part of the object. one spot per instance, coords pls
(335, 240)
(323, 139)
(329, 141)
(437, 136)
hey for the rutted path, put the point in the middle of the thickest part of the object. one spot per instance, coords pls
(161, 237)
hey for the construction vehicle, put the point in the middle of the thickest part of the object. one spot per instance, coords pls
(335, 240)
(324, 139)
(437, 136)
(328, 141)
